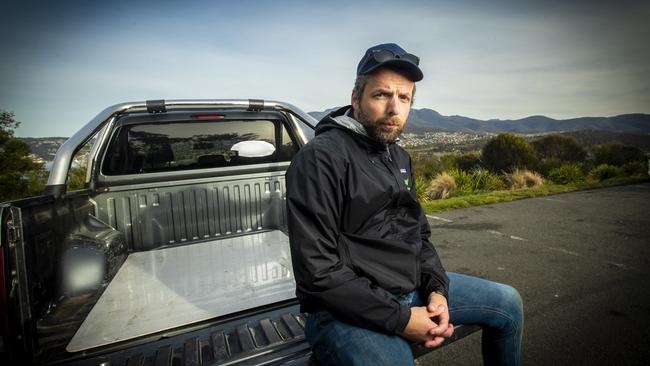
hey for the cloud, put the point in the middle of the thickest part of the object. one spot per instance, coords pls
(506, 59)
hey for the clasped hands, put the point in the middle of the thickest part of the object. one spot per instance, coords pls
(422, 329)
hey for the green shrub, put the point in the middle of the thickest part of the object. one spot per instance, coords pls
(559, 147)
(635, 168)
(605, 171)
(617, 154)
(587, 166)
(468, 161)
(430, 166)
(507, 152)
(547, 165)
(421, 185)
(463, 180)
(427, 166)
(36, 181)
(15, 164)
(76, 178)
(484, 180)
(566, 174)
(474, 181)
(448, 161)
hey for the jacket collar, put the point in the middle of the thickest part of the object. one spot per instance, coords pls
(342, 119)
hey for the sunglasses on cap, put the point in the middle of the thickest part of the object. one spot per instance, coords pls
(381, 56)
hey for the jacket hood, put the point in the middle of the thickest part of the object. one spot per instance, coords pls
(342, 119)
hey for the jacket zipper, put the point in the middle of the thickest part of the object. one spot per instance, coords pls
(388, 162)
(388, 154)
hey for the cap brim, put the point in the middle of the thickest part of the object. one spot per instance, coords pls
(410, 70)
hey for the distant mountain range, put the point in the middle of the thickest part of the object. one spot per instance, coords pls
(425, 119)
(632, 129)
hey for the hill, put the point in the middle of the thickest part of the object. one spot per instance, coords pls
(44, 147)
(425, 119)
(589, 138)
(630, 129)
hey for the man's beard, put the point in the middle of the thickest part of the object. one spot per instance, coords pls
(375, 130)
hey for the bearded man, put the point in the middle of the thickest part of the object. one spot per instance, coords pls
(367, 276)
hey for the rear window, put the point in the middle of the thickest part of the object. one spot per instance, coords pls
(159, 147)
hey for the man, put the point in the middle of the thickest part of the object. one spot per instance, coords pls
(367, 276)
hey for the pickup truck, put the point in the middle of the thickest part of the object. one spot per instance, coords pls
(174, 253)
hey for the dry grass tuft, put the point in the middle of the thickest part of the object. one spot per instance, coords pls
(441, 187)
(524, 179)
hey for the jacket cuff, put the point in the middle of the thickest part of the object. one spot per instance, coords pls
(403, 320)
(435, 288)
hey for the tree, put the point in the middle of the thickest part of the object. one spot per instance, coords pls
(8, 124)
(507, 152)
(15, 164)
(559, 147)
(76, 178)
(469, 161)
(617, 154)
(556, 150)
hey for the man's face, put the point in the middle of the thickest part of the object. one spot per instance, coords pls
(385, 105)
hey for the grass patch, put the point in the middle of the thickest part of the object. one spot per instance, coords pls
(487, 198)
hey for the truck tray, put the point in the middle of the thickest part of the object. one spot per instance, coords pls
(167, 288)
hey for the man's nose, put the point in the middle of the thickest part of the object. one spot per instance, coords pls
(393, 107)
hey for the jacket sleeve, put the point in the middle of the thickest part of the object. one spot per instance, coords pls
(315, 196)
(432, 276)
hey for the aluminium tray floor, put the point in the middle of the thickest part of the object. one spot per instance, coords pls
(162, 289)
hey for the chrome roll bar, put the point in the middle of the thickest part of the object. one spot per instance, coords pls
(56, 183)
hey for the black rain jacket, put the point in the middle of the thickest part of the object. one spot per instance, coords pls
(358, 234)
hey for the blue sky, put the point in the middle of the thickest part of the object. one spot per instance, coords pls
(64, 61)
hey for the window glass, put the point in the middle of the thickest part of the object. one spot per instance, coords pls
(307, 129)
(193, 145)
(77, 174)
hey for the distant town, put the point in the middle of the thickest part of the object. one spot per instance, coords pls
(430, 132)
(442, 138)
(44, 149)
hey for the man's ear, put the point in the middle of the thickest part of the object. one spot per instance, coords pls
(354, 101)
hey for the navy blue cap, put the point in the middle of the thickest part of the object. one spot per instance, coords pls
(393, 56)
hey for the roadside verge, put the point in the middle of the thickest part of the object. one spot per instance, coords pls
(487, 198)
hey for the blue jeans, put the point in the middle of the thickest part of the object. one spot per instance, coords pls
(495, 307)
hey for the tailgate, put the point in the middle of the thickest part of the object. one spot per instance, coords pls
(272, 336)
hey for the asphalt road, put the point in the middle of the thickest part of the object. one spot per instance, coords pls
(581, 263)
